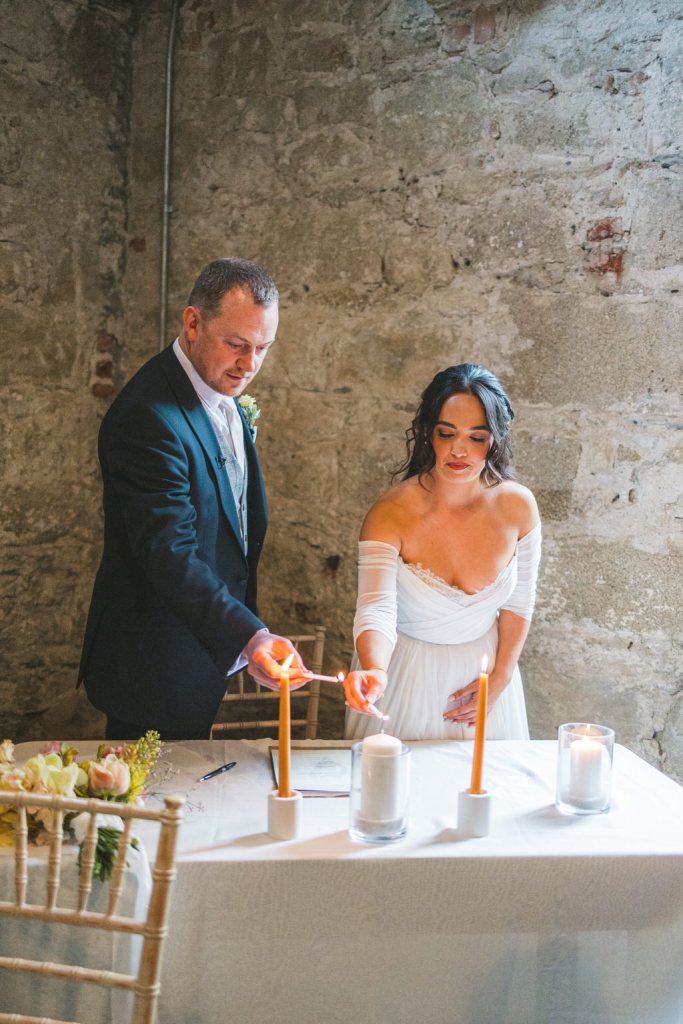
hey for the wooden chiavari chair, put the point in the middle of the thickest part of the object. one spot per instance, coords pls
(144, 985)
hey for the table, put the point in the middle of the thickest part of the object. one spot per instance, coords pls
(548, 920)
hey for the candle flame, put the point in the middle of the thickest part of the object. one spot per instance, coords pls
(484, 662)
(287, 662)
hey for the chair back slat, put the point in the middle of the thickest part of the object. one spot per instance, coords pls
(260, 724)
(231, 698)
(86, 919)
(87, 864)
(116, 884)
(316, 666)
(21, 858)
(69, 972)
(56, 831)
(20, 1018)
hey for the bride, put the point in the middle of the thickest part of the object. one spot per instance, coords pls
(447, 570)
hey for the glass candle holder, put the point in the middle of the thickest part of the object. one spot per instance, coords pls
(584, 768)
(380, 786)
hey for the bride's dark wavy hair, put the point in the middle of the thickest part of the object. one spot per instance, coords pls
(465, 379)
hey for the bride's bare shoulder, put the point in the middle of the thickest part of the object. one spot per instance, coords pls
(515, 504)
(387, 519)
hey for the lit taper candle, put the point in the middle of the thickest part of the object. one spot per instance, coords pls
(480, 728)
(284, 731)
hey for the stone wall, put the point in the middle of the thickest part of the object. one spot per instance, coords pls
(64, 79)
(429, 184)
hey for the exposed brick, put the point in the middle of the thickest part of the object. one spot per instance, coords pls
(102, 387)
(454, 37)
(608, 227)
(484, 25)
(104, 341)
(104, 367)
(605, 262)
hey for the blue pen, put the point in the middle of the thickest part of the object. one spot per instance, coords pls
(218, 771)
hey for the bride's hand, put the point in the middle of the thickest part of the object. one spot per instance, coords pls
(462, 705)
(364, 688)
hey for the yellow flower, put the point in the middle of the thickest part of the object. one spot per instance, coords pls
(45, 773)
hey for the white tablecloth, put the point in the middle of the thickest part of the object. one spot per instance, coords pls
(548, 920)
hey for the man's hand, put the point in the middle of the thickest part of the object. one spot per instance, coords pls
(265, 652)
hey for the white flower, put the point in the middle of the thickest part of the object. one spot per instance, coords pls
(251, 412)
(6, 752)
(80, 824)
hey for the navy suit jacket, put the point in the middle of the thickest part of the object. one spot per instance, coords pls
(174, 601)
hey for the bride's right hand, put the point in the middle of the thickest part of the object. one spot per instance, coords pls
(363, 689)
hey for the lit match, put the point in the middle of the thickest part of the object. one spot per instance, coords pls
(339, 678)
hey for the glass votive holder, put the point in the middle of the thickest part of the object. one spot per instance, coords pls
(380, 789)
(584, 768)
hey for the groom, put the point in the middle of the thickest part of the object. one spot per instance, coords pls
(173, 611)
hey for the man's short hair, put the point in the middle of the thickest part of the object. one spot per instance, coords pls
(221, 276)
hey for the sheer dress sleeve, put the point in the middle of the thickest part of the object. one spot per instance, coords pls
(376, 603)
(523, 597)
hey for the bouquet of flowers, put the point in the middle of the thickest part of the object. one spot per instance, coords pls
(116, 773)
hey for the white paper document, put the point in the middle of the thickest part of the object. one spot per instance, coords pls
(318, 771)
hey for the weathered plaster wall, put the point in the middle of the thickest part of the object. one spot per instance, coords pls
(429, 183)
(432, 183)
(64, 73)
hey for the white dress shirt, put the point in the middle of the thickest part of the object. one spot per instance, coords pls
(221, 409)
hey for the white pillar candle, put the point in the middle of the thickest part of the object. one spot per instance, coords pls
(381, 794)
(586, 769)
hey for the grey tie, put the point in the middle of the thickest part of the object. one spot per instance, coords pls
(238, 482)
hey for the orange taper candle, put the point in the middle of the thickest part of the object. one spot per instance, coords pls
(480, 728)
(284, 731)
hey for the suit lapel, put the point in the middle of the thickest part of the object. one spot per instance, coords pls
(256, 494)
(196, 416)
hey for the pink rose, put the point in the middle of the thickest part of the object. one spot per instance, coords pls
(108, 751)
(53, 747)
(108, 776)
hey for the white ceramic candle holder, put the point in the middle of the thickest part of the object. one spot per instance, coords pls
(474, 813)
(285, 815)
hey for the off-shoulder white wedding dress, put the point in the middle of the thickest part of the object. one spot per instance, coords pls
(440, 634)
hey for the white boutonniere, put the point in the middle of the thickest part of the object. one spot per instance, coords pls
(251, 413)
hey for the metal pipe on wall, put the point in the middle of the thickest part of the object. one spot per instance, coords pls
(167, 208)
